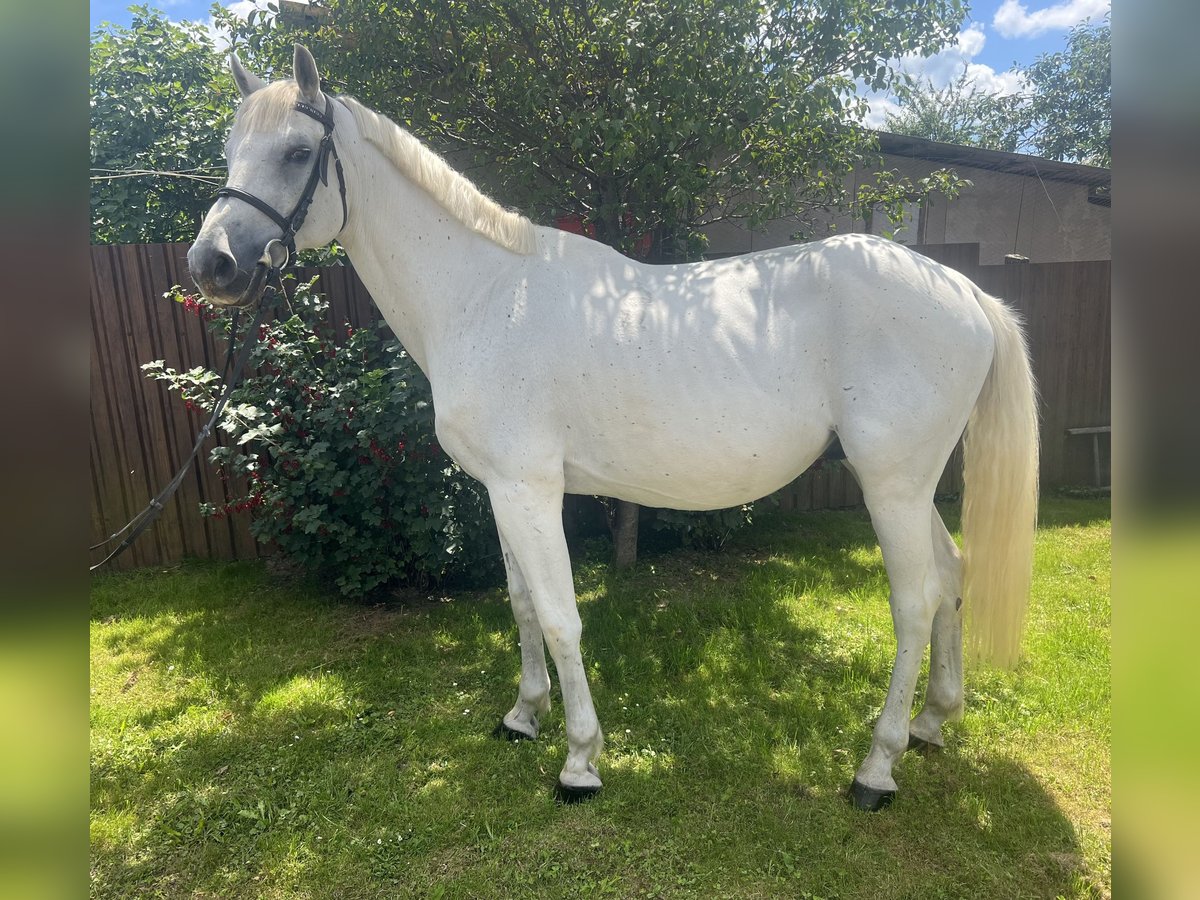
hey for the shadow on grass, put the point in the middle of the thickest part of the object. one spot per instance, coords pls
(317, 748)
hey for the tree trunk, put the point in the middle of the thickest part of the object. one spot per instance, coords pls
(623, 516)
(625, 533)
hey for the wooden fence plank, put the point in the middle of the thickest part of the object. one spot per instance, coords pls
(165, 335)
(113, 505)
(157, 439)
(186, 338)
(125, 419)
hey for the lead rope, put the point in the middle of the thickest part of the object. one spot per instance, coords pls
(154, 509)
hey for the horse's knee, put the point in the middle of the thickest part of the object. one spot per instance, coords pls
(524, 613)
(562, 637)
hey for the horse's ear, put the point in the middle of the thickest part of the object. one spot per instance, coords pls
(304, 68)
(247, 83)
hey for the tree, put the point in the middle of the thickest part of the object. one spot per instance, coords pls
(960, 113)
(161, 105)
(646, 120)
(1064, 112)
(1070, 100)
(640, 117)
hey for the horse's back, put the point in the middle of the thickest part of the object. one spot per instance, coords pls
(817, 316)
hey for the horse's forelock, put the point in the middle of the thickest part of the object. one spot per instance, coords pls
(268, 109)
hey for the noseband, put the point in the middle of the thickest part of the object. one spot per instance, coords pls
(320, 171)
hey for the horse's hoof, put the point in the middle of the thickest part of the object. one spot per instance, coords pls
(568, 796)
(511, 734)
(922, 746)
(869, 799)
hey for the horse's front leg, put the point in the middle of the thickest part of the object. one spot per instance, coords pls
(529, 519)
(533, 694)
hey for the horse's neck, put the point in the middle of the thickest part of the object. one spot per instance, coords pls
(425, 270)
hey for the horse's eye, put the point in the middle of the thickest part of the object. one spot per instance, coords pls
(299, 154)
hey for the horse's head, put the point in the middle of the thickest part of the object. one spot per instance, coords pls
(285, 181)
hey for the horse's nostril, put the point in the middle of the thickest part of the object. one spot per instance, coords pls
(224, 269)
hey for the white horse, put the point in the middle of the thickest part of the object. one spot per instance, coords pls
(558, 365)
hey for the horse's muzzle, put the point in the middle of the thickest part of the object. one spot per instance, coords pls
(216, 273)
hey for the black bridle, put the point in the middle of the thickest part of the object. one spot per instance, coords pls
(320, 172)
(268, 268)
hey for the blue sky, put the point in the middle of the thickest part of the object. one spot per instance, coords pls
(996, 34)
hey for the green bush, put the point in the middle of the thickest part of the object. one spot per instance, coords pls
(335, 444)
(709, 531)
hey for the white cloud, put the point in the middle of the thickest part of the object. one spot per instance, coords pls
(971, 41)
(880, 106)
(990, 81)
(1013, 19)
(944, 66)
(241, 9)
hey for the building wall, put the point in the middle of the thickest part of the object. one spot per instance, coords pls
(1043, 219)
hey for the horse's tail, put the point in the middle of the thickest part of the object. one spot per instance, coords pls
(1000, 494)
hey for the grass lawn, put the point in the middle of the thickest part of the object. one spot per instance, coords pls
(254, 737)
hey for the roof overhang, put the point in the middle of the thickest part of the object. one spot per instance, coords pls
(992, 160)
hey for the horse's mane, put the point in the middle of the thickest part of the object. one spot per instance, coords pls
(267, 108)
(455, 193)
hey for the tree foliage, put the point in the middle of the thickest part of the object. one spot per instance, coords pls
(640, 117)
(161, 102)
(1064, 112)
(960, 113)
(1071, 98)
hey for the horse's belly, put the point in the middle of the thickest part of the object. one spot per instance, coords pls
(711, 467)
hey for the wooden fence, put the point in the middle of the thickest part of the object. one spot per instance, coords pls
(139, 433)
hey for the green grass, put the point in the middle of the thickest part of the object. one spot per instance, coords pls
(252, 737)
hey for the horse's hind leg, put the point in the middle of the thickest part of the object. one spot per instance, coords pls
(901, 520)
(533, 693)
(944, 695)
